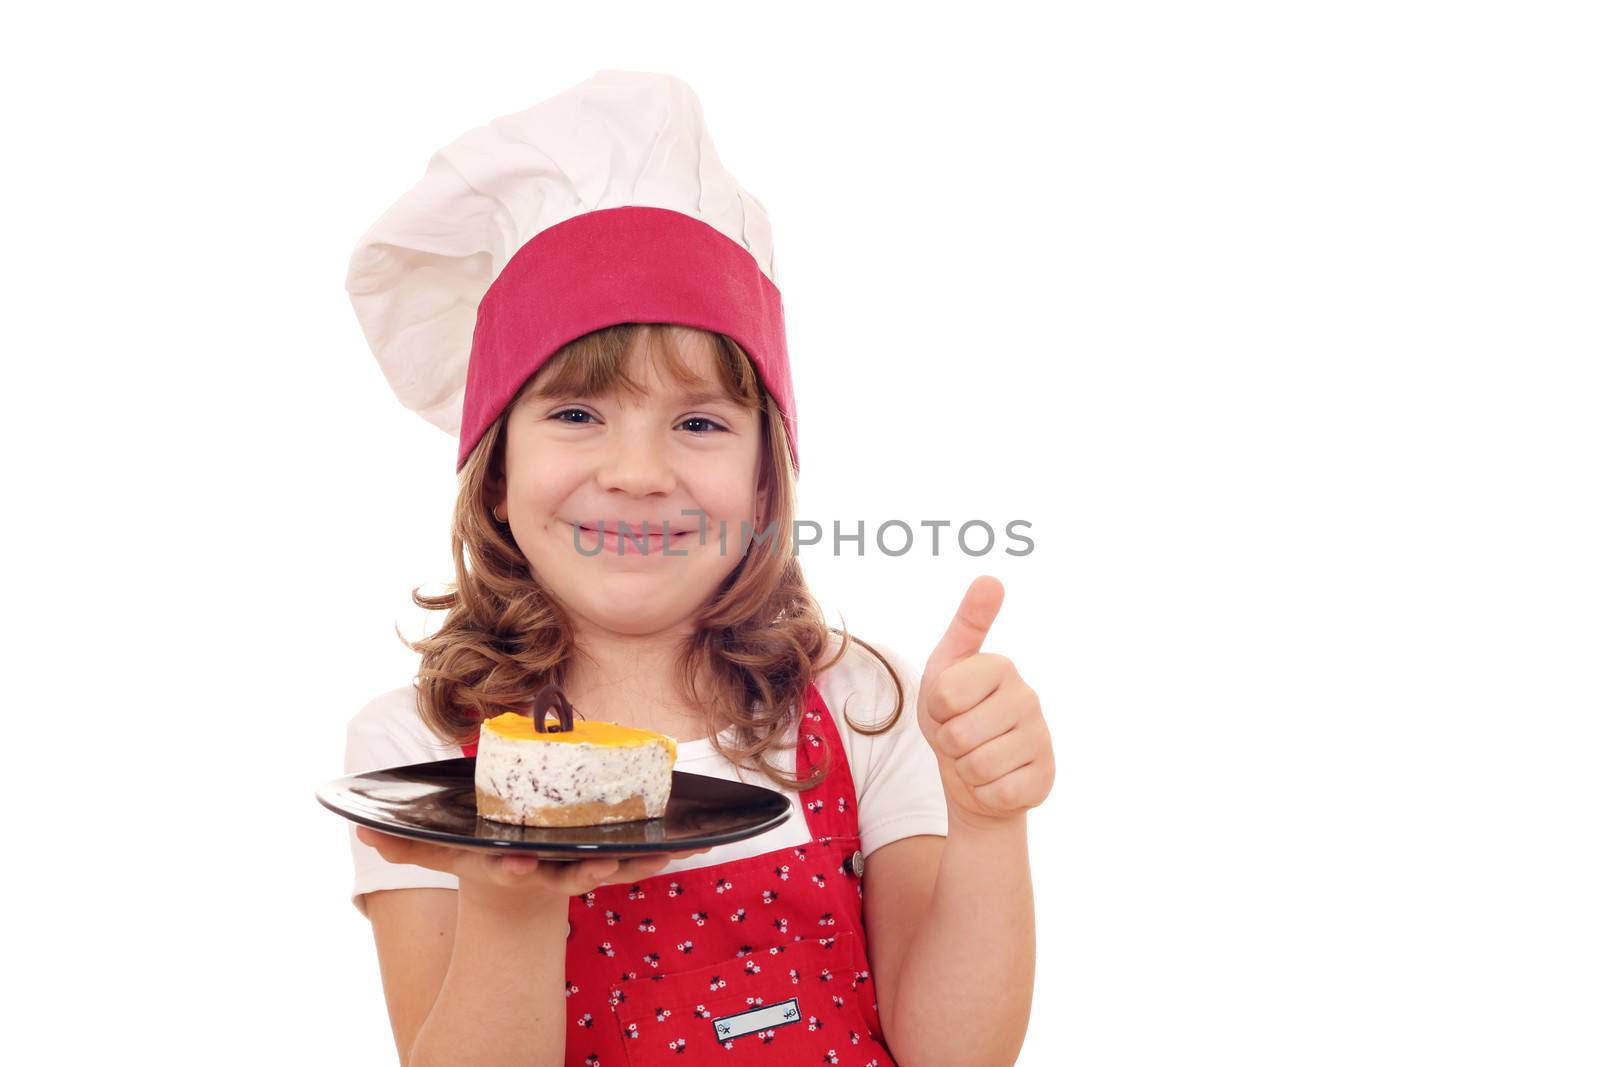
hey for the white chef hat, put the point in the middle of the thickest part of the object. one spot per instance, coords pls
(604, 204)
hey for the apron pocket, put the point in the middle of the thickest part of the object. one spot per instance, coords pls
(776, 1003)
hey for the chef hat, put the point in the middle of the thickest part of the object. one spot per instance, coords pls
(604, 204)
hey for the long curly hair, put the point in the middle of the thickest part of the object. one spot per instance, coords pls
(759, 639)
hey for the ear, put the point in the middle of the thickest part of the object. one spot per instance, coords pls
(494, 495)
(762, 497)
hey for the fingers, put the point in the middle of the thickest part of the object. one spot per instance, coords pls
(514, 869)
(960, 734)
(965, 684)
(1025, 787)
(570, 878)
(391, 848)
(516, 864)
(996, 758)
(585, 875)
(576, 877)
(622, 871)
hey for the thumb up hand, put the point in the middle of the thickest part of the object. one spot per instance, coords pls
(982, 720)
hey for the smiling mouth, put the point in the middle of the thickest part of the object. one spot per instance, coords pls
(653, 532)
(638, 539)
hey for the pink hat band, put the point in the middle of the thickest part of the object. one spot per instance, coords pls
(615, 265)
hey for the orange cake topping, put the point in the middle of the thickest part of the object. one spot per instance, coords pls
(516, 726)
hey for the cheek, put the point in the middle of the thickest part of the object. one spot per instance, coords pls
(725, 499)
(537, 499)
(538, 484)
(725, 488)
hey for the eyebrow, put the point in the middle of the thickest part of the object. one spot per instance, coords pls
(702, 396)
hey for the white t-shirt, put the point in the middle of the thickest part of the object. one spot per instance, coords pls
(898, 791)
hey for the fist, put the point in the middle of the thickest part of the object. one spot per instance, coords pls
(983, 721)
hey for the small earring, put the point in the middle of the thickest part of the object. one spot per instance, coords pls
(498, 517)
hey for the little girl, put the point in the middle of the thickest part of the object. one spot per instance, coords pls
(586, 298)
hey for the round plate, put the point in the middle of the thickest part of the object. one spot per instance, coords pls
(435, 802)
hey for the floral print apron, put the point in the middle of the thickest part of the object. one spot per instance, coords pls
(756, 961)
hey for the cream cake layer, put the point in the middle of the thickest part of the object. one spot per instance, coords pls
(594, 773)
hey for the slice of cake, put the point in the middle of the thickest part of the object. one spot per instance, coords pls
(569, 773)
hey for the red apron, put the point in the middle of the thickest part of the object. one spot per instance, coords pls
(756, 961)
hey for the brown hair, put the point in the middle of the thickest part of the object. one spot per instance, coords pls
(760, 638)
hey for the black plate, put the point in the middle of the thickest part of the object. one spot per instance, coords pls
(435, 802)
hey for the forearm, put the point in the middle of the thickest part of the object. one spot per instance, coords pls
(503, 999)
(965, 988)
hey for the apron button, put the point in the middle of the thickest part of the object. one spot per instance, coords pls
(858, 864)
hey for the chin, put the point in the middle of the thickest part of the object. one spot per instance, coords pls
(638, 608)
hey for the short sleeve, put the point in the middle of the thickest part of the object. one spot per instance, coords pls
(388, 732)
(898, 789)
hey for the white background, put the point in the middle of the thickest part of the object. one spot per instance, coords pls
(1277, 322)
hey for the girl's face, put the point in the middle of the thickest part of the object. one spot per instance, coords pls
(655, 463)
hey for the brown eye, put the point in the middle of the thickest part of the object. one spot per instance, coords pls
(707, 426)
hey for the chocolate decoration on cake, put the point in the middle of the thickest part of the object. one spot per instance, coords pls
(549, 697)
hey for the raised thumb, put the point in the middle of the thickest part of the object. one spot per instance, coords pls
(970, 626)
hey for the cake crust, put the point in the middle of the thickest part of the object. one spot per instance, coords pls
(590, 813)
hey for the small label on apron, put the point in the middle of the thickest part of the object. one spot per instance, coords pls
(765, 1017)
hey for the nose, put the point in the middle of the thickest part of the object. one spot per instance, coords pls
(636, 463)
